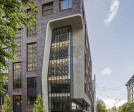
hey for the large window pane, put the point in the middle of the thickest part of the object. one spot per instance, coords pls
(32, 56)
(65, 4)
(17, 75)
(31, 91)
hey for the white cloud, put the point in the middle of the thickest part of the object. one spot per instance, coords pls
(113, 11)
(111, 102)
(106, 71)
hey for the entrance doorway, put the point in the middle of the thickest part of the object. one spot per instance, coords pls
(17, 103)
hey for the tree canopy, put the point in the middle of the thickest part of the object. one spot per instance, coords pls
(127, 107)
(13, 14)
(101, 106)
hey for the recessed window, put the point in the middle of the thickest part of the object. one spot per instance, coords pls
(31, 91)
(65, 4)
(18, 41)
(47, 8)
(32, 56)
(32, 25)
(17, 75)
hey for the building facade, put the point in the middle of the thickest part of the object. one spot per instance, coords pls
(130, 89)
(54, 60)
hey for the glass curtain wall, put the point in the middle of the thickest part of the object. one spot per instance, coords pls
(59, 70)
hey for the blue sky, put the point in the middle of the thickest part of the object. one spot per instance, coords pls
(111, 34)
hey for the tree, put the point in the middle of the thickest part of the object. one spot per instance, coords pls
(38, 106)
(108, 110)
(128, 107)
(101, 106)
(120, 109)
(114, 109)
(13, 13)
(6, 107)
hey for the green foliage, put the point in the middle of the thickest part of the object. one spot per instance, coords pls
(101, 106)
(38, 106)
(120, 109)
(127, 107)
(12, 14)
(6, 107)
(113, 109)
(108, 110)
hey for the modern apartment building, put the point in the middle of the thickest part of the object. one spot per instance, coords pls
(130, 89)
(54, 60)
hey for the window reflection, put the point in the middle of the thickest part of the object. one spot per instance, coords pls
(65, 4)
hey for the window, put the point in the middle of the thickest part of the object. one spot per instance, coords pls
(47, 8)
(17, 99)
(65, 4)
(18, 41)
(32, 56)
(31, 91)
(33, 25)
(17, 75)
(74, 106)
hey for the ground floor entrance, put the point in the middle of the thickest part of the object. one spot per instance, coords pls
(17, 103)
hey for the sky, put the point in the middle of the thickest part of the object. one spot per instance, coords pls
(111, 34)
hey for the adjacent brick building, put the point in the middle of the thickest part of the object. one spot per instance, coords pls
(54, 60)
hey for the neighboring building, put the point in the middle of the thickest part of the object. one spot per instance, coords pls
(130, 88)
(94, 92)
(54, 60)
